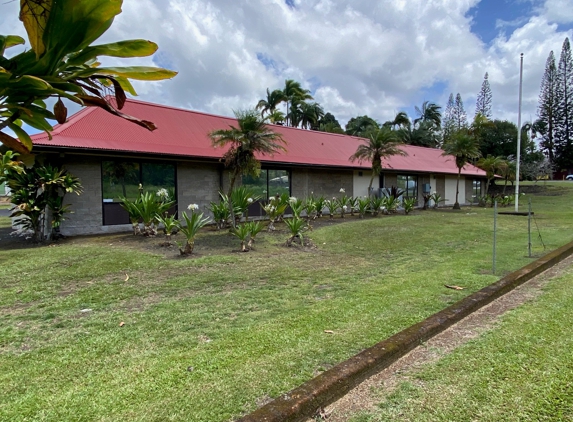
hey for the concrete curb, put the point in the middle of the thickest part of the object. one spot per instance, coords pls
(304, 401)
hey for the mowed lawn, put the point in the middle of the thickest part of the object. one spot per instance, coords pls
(115, 327)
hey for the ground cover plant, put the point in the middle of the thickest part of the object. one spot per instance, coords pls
(118, 327)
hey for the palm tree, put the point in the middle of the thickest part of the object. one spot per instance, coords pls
(276, 117)
(381, 143)
(311, 113)
(491, 165)
(430, 112)
(270, 104)
(252, 136)
(508, 173)
(294, 92)
(463, 147)
(423, 135)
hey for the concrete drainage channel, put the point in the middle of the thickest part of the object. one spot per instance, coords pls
(304, 401)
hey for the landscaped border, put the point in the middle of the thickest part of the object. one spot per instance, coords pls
(304, 401)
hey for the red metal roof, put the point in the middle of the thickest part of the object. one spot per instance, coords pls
(185, 133)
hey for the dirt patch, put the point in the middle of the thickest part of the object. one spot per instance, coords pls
(364, 396)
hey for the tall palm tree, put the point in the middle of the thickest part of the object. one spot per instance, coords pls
(424, 135)
(294, 92)
(272, 101)
(430, 112)
(252, 136)
(491, 165)
(311, 113)
(463, 147)
(382, 143)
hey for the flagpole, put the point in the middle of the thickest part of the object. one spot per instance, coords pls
(518, 137)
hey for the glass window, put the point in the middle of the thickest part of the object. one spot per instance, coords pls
(122, 179)
(269, 183)
(409, 184)
(279, 182)
(476, 191)
(257, 184)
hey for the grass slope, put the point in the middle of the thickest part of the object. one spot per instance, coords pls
(211, 337)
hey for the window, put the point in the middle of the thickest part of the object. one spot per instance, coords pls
(409, 184)
(476, 190)
(270, 182)
(122, 179)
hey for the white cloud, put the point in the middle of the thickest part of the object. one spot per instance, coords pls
(359, 57)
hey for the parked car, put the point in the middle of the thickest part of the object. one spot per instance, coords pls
(569, 177)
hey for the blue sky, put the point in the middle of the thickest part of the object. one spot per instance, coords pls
(359, 57)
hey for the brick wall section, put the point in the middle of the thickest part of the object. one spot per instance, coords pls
(321, 182)
(197, 184)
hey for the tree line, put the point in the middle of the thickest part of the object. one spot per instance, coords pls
(554, 125)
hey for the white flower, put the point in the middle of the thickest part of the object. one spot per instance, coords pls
(383, 208)
(342, 190)
(162, 193)
(193, 207)
(250, 200)
(344, 207)
(292, 199)
(506, 197)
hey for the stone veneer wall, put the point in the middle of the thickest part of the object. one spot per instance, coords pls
(321, 182)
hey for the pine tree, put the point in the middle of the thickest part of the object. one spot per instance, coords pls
(459, 114)
(547, 109)
(564, 117)
(484, 99)
(448, 119)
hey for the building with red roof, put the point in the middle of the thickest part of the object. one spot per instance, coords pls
(113, 156)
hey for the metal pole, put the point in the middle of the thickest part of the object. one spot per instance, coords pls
(518, 137)
(494, 232)
(529, 228)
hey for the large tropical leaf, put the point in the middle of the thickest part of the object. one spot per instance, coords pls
(129, 48)
(142, 73)
(13, 143)
(34, 15)
(73, 25)
(7, 41)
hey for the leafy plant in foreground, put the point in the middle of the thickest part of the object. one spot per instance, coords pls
(242, 232)
(408, 204)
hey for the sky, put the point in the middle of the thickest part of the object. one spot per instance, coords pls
(357, 57)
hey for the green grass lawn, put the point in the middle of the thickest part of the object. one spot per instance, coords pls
(210, 337)
(520, 371)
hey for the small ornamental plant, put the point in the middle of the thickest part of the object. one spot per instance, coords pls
(343, 204)
(408, 204)
(310, 208)
(296, 205)
(169, 226)
(255, 227)
(296, 227)
(437, 198)
(192, 226)
(377, 205)
(242, 232)
(363, 204)
(320, 205)
(353, 205)
(332, 206)
(274, 210)
(220, 211)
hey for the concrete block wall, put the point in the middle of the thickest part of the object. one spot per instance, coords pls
(321, 182)
(87, 217)
(197, 184)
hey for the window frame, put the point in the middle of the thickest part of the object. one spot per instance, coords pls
(115, 206)
(408, 178)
